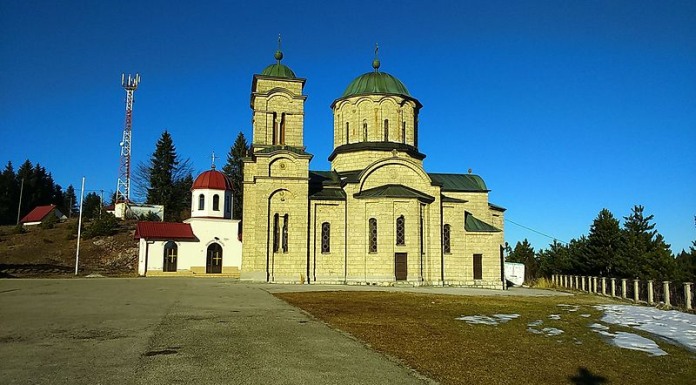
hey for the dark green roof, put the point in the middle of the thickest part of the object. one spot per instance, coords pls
(375, 83)
(496, 207)
(475, 225)
(452, 200)
(278, 70)
(328, 194)
(394, 191)
(458, 182)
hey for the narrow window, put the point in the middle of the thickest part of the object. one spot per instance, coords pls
(446, 239)
(201, 202)
(403, 132)
(386, 130)
(364, 130)
(347, 132)
(415, 132)
(216, 202)
(373, 235)
(170, 255)
(478, 267)
(282, 128)
(276, 233)
(228, 204)
(275, 129)
(325, 237)
(400, 231)
(285, 233)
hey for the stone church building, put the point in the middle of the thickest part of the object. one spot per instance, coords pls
(376, 217)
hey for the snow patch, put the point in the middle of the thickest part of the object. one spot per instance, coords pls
(633, 342)
(569, 308)
(486, 320)
(535, 323)
(554, 317)
(672, 325)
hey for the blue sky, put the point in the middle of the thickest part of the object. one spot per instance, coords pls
(563, 107)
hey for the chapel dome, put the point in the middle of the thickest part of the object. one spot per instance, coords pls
(278, 70)
(212, 180)
(375, 83)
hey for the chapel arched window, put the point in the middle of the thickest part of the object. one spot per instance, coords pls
(216, 202)
(276, 232)
(347, 132)
(201, 202)
(325, 237)
(373, 235)
(400, 231)
(403, 132)
(364, 130)
(446, 237)
(285, 233)
(386, 130)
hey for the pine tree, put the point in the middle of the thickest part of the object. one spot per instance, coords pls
(167, 178)
(644, 253)
(69, 201)
(234, 169)
(9, 195)
(603, 244)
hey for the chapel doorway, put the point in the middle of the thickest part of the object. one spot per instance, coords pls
(170, 257)
(213, 263)
(401, 266)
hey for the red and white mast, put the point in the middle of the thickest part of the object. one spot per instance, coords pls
(130, 84)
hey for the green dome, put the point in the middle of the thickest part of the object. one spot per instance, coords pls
(278, 71)
(375, 83)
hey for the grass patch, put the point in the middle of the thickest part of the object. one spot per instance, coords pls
(421, 330)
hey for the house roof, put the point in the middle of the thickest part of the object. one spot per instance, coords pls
(475, 225)
(38, 214)
(164, 230)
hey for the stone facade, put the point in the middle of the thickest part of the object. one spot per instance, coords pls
(377, 217)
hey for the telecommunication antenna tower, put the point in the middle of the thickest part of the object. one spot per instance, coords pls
(130, 84)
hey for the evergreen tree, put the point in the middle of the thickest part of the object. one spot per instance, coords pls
(603, 243)
(554, 260)
(644, 253)
(524, 253)
(167, 178)
(91, 206)
(9, 195)
(234, 169)
(686, 265)
(70, 202)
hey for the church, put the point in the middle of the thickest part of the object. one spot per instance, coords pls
(376, 217)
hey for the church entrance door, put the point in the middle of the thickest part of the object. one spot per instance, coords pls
(401, 266)
(213, 263)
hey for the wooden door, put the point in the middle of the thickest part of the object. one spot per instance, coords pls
(213, 264)
(401, 266)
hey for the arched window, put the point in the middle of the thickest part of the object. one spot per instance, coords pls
(216, 202)
(285, 233)
(201, 202)
(373, 235)
(282, 128)
(276, 233)
(386, 130)
(325, 237)
(170, 256)
(228, 204)
(446, 236)
(400, 231)
(364, 130)
(403, 132)
(275, 128)
(415, 132)
(347, 132)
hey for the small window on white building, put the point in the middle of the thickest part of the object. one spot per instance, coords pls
(216, 202)
(201, 202)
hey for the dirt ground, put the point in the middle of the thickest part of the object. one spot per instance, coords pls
(51, 252)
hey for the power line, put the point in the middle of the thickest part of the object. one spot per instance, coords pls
(536, 231)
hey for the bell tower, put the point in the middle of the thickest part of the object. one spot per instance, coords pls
(276, 180)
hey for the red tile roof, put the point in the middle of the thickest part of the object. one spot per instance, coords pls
(164, 230)
(212, 179)
(38, 214)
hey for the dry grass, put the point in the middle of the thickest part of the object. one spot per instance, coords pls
(421, 330)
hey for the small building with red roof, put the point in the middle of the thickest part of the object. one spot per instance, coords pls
(40, 213)
(207, 244)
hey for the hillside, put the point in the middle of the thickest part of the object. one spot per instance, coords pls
(51, 252)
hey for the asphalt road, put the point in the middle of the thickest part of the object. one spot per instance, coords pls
(173, 331)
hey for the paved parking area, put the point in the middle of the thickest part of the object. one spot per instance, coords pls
(169, 331)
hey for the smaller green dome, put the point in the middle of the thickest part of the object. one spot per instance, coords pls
(375, 83)
(278, 70)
